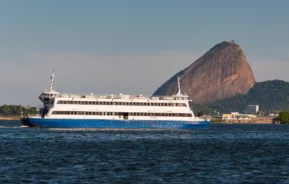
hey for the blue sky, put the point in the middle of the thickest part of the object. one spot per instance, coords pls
(130, 46)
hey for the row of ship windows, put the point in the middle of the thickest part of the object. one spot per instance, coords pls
(121, 113)
(120, 103)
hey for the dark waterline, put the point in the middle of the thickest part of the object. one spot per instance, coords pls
(222, 153)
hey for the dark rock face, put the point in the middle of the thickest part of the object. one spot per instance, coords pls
(221, 73)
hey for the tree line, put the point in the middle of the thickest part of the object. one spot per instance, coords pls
(15, 110)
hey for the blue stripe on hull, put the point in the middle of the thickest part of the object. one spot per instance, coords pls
(96, 123)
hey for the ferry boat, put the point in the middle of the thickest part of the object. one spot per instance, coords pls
(62, 110)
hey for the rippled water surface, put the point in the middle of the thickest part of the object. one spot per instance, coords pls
(220, 154)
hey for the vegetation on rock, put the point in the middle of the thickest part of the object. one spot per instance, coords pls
(269, 95)
(283, 117)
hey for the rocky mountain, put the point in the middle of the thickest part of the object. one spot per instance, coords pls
(221, 73)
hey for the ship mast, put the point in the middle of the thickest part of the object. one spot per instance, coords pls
(179, 87)
(52, 82)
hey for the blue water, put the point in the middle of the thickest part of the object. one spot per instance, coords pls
(220, 154)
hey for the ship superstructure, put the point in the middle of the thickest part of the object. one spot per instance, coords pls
(62, 110)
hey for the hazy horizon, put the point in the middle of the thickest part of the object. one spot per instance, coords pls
(128, 46)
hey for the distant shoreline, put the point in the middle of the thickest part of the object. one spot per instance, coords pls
(9, 117)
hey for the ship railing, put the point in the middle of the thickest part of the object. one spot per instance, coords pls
(122, 96)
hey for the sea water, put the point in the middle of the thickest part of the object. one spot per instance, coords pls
(219, 154)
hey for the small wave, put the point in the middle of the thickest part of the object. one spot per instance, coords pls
(24, 126)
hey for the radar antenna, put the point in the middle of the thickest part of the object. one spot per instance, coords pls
(179, 86)
(52, 82)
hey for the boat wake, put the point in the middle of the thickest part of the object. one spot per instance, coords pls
(118, 130)
(14, 127)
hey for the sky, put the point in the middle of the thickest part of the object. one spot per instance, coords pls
(130, 46)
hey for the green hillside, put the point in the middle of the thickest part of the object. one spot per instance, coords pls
(269, 95)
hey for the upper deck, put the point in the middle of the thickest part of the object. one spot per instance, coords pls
(122, 96)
